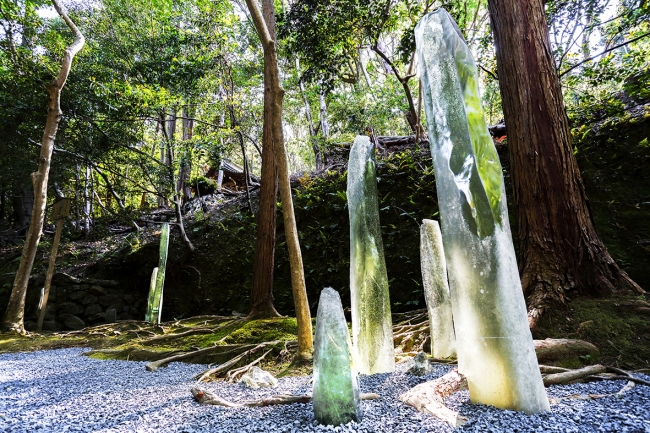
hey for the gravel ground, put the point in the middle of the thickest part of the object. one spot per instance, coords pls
(62, 391)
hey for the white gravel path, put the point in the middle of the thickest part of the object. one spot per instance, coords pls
(63, 391)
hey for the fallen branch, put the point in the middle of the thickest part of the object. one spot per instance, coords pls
(571, 375)
(621, 377)
(620, 393)
(206, 397)
(551, 369)
(428, 397)
(554, 350)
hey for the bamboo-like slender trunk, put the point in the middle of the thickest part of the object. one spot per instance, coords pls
(14, 316)
(272, 82)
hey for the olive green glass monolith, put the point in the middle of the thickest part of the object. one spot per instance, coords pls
(436, 290)
(154, 304)
(336, 391)
(372, 330)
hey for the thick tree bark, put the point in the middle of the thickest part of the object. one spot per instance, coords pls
(276, 94)
(559, 248)
(262, 289)
(13, 320)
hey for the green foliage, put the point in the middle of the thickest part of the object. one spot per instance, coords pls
(205, 185)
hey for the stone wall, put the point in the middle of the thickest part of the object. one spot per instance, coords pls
(75, 303)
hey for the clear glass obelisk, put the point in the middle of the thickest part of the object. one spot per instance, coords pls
(436, 290)
(372, 328)
(336, 390)
(494, 343)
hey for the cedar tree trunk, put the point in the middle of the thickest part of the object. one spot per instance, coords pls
(13, 320)
(263, 264)
(276, 93)
(560, 252)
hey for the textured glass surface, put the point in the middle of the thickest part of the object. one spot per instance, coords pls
(154, 305)
(372, 330)
(336, 390)
(436, 290)
(493, 341)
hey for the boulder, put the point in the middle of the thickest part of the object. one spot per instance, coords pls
(63, 279)
(419, 365)
(107, 300)
(93, 309)
(89, 299)
(69, 308)
(70, 321)
(98, 290)
(77, 294)
(255, 378)
(50, 325)
(118, 307)
(99, 317)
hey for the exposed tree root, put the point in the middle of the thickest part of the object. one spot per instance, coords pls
(221, 350)
(428, 397)
(235, 374)
(167, 337)
(226, 366)
(208, 318)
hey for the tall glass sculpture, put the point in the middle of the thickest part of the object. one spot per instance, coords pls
(436, 290)
(372, 328)
(494, 343)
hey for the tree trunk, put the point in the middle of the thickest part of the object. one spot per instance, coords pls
(411, 114)
(77, 187)
(13, 320)
(559, 248)
(318, 155)
(273, 88)
(87, 199)
(262, 289)
(324, 126)
(178, 200)
(186, 163)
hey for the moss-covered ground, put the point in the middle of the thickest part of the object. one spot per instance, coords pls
(130, 340)
(619, 327)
